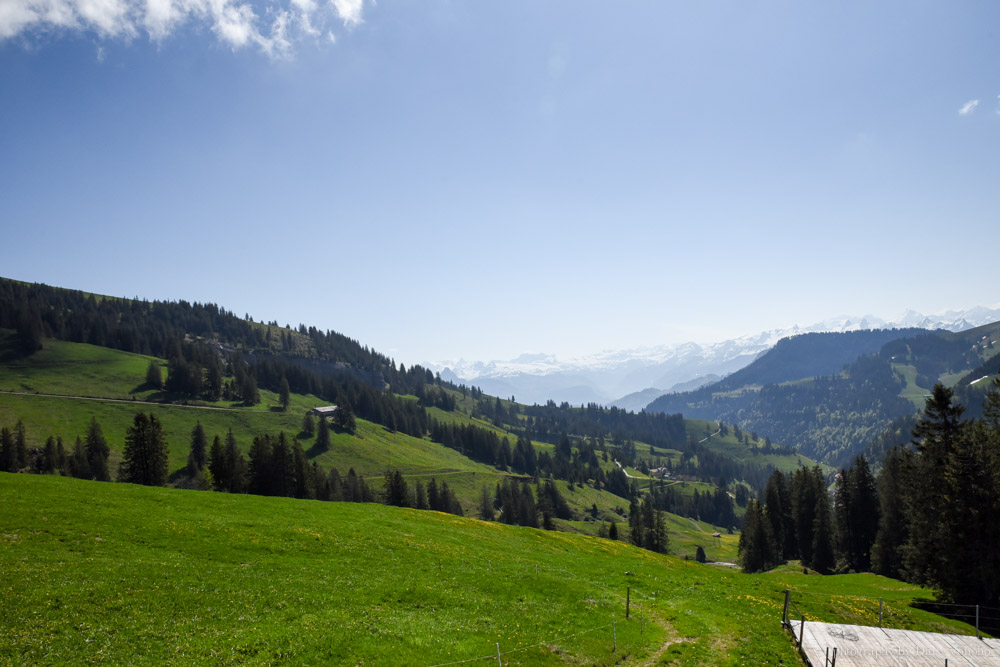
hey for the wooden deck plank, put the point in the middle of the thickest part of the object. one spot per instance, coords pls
(864, 646)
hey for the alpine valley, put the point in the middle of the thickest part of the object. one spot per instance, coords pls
(180, 484)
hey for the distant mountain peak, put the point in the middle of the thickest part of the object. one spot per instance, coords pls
(607, 375)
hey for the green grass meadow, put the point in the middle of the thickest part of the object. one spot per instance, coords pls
(118, 573)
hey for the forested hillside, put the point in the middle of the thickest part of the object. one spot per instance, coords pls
(834, 416)
(229, 415)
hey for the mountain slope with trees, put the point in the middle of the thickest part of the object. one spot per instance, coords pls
(834, 417)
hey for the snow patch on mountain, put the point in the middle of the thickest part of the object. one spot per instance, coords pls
(609, 374)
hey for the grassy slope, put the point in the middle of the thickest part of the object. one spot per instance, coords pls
(730, 446)
(119, 573)
(87, 371)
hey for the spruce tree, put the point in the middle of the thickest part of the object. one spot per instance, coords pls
(20, 446)
(284, 393)
(154, 377)
(197, 458)
(78, 465)
(217, 465)
(893, 531)
(97, 452)
(323, 436)
(486, 510)
(49, 461)
(823, 557)
(236, 465)
(756, 549)
(935, 438)
(144, 457)
(8, 456)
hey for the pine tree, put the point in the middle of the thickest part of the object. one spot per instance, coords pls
(863, 515)
(154, 378)
(323, 436)
(78, 466)
(284, 393)
(935, 438)
(778, 513)
(49, 460)
(823, 558)
(8, 456)
(235, 465)
(197, 457)
(217, 465)
(308, 425)
(893, 531)
(144, 458)
(613, 530)
(20, 446)
(486, 510)
(757, 547)
(97, 452)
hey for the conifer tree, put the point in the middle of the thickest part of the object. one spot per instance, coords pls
(284, 393)
(322, 436)
(308, 425)
(217, 465)
(486, 510)
(433, 498)
(8, 456)
(78, 466)
(97, 452)
(756, 549)
(144, 457)
(197, 458)
(49, 459)
(154, 378)
(20, 445)
(823, 558)
(396, 491)
(935, 438)
(235, 465)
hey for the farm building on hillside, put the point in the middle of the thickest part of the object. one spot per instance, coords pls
(324, 412)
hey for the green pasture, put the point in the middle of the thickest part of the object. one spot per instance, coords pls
(101, 572)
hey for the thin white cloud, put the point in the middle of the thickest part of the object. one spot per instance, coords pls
(271, 26)
(968, 107)
(349, 11)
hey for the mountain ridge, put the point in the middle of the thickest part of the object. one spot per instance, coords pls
(609, 376)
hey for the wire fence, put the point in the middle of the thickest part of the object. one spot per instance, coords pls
(633, 603)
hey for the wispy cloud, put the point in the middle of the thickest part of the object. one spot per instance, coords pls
(968, 107)
(271, 26)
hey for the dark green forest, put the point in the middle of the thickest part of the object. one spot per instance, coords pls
(930, 517)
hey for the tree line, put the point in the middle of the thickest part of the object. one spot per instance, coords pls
(929, 518)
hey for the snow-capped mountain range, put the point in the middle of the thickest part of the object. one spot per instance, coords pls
(611, 377)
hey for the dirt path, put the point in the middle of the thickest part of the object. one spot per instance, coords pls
(115, 400)
(672, 638)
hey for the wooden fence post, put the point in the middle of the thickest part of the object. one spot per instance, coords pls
(784, 614)
(499, 661)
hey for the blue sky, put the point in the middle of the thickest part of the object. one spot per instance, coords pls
(441, 179)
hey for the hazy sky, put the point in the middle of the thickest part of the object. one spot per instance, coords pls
(480, 179)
